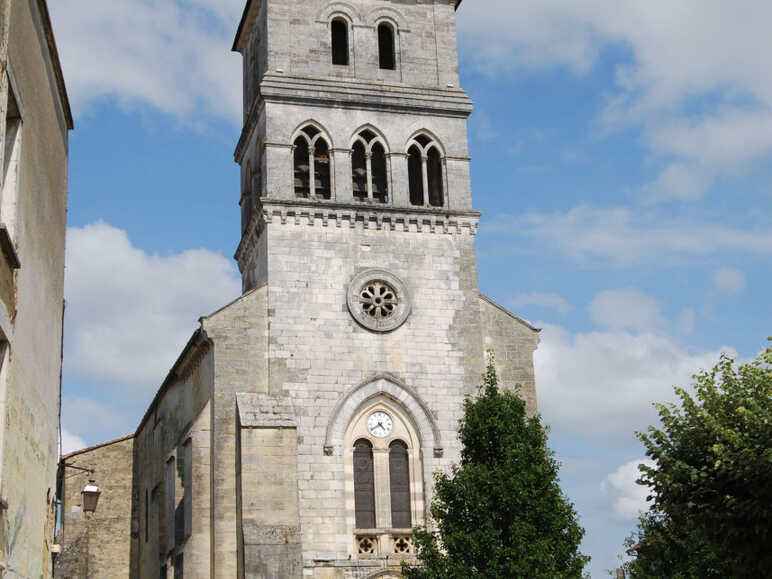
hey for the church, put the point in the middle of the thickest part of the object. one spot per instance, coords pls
(298, 432)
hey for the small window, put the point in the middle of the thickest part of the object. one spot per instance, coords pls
(302, 168)
(171, 484)
(399, 478)
(187, 486)
(339, 31)
(380, 179)
(321, 170)
(434, 176)
(415, 176)
(359, 171)
(364, 485)
(386, 47)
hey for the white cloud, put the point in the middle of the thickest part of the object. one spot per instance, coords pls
(625, 308)
(628, 238)
(628, 498)
(130, 313)
(729, 280)
(686, 321)
(709, 51)
(172, 55)
(97, 421)
(601, 385)
(544, 300)
(71, 442)
(678, 181)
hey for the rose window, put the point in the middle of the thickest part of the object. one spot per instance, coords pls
(378, 300)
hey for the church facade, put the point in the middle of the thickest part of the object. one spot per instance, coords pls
(298, 432)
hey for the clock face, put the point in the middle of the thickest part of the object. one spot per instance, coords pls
(379, 424)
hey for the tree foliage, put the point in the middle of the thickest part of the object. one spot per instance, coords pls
(662, 549)
(712, 479)
(500, 512)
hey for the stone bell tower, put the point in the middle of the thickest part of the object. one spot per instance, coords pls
(358, 237)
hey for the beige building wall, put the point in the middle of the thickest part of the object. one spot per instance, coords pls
(172, 450)
(34, 120)
(96, 545)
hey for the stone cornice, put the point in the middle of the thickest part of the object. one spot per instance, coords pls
(352, 93)
(334, 214)
(249, 125)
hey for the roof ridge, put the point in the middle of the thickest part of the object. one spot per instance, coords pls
(96, 446)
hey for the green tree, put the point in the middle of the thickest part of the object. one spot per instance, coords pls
(712, 480)
(674, 552)
(500, 512)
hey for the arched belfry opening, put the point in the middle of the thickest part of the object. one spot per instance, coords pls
(311, 162)
(386, 49)
(426, 175)
(339, 40)
(370, 168)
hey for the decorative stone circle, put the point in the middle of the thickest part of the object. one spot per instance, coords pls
(378, 300)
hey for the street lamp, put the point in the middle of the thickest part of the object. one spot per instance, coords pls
(90, 495)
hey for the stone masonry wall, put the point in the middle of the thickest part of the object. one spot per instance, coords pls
(318, 352)
(98, 545)
(32, 308)
(513, 343)
(299, 41)
(239, 337)
(180, 415)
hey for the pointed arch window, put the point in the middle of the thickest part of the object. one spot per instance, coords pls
(369, 168)
(311, 164)
(386, 52)
(339, 33)
(364, 484)
(399, 478)
(425, 173)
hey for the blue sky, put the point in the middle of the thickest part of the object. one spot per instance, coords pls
(621, 156)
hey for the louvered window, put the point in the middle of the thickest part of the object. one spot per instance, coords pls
(364, 485)
(311, 156)
(425, 173)
(399, 478)
(369, 168)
